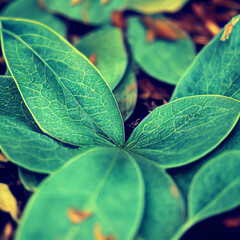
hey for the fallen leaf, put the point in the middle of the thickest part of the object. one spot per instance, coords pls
(3, 158)
(8, 203)
(232, 222)
(77, 216)
(164, 28)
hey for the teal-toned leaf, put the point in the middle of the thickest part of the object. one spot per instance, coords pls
(29, 179)
(164, 60)
(126, 93)
(215, 69)
(107, 48)
(215, 189)
(155, 6)
(100, 193)
(93, 12)
(184, 130)
(21, 140)
(65, 93)
(184, 175)
(29, 9)
(211, 74)
(164, 209)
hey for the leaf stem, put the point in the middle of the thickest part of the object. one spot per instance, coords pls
(179, 233)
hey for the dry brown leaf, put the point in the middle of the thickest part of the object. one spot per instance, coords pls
(8, 203)
(118, 19)
(3, 158)
(164, 28)
(232, 222)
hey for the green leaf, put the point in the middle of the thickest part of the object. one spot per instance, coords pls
(29, 179)
(215, 69)
(164, 60)
(215, 189)
(184, 175)
(107, 47)
(102, 190)
(178, 133)
(93, 12)
(29, 9)
(126, 93)
(219, 75)
(21, 140)
(155, 6)
(164, 209)
(65, 93)
(223, 176)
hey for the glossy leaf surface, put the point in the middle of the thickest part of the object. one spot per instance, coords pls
(93, 12)
(99, 193)
(164, 209)
(155, 6)
(65, 93)
(29, 9)
(107, 47)
(126, 93)
(21, 140)
(164, 60)
(178, 133)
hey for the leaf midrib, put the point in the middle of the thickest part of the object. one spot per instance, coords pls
(23, 42)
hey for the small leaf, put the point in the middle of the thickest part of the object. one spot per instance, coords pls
(104, 185)
(178, 133)
(8, 202)
(29, 9)
(93, 12)
(214, 189)
(29, 179)
(149, 52)
(110, 55)
(126, 93)
(64, 92)
(154, 6)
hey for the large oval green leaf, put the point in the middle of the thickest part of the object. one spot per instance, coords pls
(184, 130)
(65, 93)
(164, 60)
(215, 189)
(107, 46)
(215, 69)
(154, 6)
(100, 193)
(93, 12)
(21, 140)
(29, 9)
(219, 75)
(164, 208)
